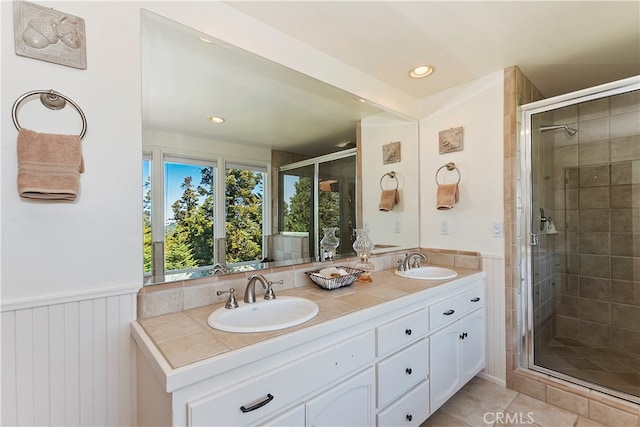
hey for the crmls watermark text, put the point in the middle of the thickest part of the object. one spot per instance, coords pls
(508, 418)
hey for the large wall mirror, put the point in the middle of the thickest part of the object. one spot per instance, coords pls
(247, 161)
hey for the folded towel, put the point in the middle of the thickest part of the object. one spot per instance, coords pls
(388, 199)
(49, 165)
(331, 272)
(447, 196)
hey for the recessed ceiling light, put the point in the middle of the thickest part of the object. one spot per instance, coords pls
(205, 40)
(216, 120)
(421, 71)
(342, 144)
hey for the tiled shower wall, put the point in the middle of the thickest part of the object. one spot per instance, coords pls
(594, 405)
(598, 188)
(545, 263)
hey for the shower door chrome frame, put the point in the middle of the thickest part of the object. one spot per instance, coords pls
(524, 215)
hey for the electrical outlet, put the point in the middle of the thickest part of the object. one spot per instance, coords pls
(497, 229)
(396, 228)
(444, 227)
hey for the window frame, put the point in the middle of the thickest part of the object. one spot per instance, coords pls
(158, 156)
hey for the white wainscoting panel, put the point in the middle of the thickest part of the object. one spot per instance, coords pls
(495, 370)
(69, 363)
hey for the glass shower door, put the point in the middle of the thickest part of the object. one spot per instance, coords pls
(585, 249)
(319, 193)
(337, 200)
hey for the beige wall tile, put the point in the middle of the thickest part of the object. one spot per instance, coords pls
(625, 103)
(568, 401)
(627, 292)
(529, 386)
(595, 310)
(625, 125)
(542, 413)
(625, 149)
(626, 316)
(593, 130)
(611, 416)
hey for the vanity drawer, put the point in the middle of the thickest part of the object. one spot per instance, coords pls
(401, 332)
(401, 371)
(278, 388)
(455, 307)
(411, 409)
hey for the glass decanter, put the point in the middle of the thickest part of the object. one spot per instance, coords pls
(363, 246)
(329, 243)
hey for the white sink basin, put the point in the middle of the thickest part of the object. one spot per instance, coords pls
(264, 315)
(428, 273)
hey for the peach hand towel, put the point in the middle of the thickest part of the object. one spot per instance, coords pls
(49, 165)
(447, 196)
(388, 200)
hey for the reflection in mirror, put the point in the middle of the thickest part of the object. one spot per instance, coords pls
(291, 156)
(331, 203)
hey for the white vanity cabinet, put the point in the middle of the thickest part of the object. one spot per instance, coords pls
(457, 350)
(248, 400)
(391, 364)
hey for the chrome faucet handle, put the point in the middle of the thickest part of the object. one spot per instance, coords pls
(415, 263)
(269, 294)
(231, 301)
(400, 266)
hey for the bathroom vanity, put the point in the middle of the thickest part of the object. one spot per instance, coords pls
(392, 362)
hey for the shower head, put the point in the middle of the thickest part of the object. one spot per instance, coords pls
(566, 128)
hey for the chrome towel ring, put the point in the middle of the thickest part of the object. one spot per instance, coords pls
(450, 167)
(52, 100)
(391, 175)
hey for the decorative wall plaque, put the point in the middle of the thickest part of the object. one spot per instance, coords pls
(49, 35)
(451, 140)
(391, 152)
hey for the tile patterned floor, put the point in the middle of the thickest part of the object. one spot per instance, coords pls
(615, 369)
(483, 403)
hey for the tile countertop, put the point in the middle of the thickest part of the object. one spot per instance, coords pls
(185, 337)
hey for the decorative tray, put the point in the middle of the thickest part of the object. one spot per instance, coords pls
(335, 282)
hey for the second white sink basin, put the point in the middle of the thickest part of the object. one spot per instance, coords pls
(428, 273)
(264, 315)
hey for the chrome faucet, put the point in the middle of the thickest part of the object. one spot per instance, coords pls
(250, 290)
(408, 264)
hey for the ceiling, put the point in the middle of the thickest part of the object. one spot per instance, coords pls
(561, 46)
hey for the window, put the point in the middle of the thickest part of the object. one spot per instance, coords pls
(189, 213)
(146, 213)
(244, 213)
(180, 224)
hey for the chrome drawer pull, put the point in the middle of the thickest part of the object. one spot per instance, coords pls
(257, 405)
(449, 312)
(408, 371)
(476, 299)
(409, 417)
(407, 331)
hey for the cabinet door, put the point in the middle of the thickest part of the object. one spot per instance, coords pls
(294, 417)
(445, 357)
(350, 403)
(473, 345)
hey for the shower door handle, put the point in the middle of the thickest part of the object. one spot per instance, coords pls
(535, 239)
